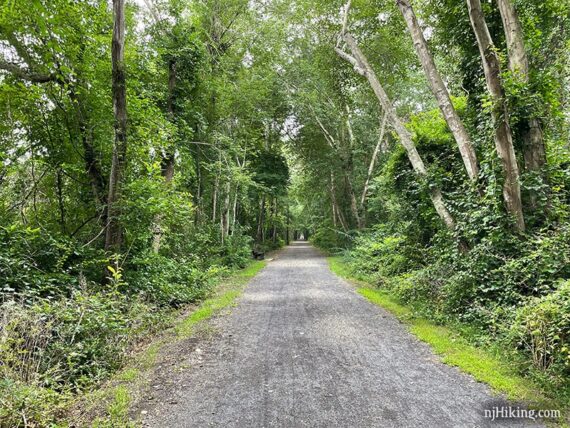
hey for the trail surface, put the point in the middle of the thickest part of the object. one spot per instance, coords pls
(303, 349)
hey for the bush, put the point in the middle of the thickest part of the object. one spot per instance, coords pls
(379, 257)
(330, 240)
(169, 282)
(541, 331)
(33, 263)
(53, 348)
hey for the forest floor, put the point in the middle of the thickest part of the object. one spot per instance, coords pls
(303, 348)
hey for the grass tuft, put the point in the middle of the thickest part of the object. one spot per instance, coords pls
(483, 365)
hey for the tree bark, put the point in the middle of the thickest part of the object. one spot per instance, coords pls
(114, 234)
(348, 173)
(440, 91)
(234, 209)
(533, 141)
(371, 165)
(60, 201)
(260, 237)
(274, 221)
(225, 217)
(336, 208)
(168, 160)
(503, 134)
(361, 65)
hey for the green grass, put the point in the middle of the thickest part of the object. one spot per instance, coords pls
(117, 396)
(213, 305)
(482, 364)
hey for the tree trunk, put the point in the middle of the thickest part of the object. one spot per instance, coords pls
(114, 235)
(234, 209)
(336, 208)
(348, 173)
(503, 134)
(60, 201)
(260, 238)
(371, 166)
(168, 160)
(353, 203)
(533, 140)
(440, 91)
(361, 65)
(198, 197)
(215, 198)
(225, 217)
(274, 222)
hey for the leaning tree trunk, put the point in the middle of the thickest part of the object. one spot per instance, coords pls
(371, 167)
(361, 65)
(534, 152)
(503, 134)
(440, 91)
(114, 235)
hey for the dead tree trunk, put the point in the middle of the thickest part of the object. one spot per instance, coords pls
(361, 65)
(114, 235)
(440, 91)
(503, 134)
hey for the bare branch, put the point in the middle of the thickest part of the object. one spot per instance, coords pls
(345, 18)
(28, 75)
(351, 60)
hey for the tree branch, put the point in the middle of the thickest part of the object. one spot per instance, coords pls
(28, 75)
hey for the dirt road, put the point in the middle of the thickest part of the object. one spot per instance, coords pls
(303, 349)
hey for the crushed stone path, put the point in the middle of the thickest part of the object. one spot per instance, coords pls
(303, 349)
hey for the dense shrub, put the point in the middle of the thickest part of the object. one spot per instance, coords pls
(508, 290)
(542, 331)
(381, 255)
(62, 330)
(36, 263)
(55, 347)
(167, 281)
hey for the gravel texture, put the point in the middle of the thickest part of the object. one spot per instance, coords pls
(303, 349)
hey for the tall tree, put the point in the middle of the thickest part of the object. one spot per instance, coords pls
(440, 91)
(503, 134)
(114, 235)
(362, 66)
(534, 152)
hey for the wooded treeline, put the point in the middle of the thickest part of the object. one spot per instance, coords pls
(149, 146)
(440, 131)
(141, 159)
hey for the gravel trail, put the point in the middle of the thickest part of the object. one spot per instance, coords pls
(303, 349)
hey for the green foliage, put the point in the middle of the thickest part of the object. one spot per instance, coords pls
(542, 332)
(56, 347)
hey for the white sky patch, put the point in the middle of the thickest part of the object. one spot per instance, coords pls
(291, 128)
(247, 60)
(383, 17)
